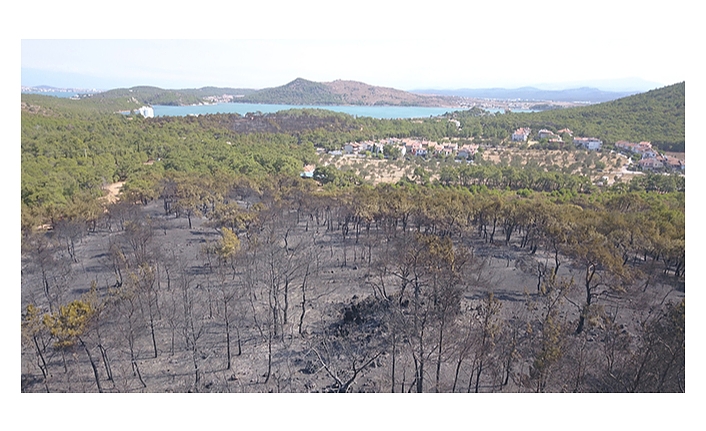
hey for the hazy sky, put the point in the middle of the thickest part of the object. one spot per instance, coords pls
(401, 45)
(404, 64)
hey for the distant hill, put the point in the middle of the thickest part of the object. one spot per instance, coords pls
(57, 106)
(583, 94)
(149, 96)
(339, 92)
(298, 92)
(158, 96)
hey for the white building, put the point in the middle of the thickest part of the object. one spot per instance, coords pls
(146, 111)
(521, 134)
(588, 143)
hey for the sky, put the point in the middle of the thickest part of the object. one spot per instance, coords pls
(447, 46)
(402, 64)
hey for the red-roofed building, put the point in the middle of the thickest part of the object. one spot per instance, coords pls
(673, 162)
(544, 133)
(467, 151)
(650, 163)
(644, 148)
(521, 134)
(308, 171)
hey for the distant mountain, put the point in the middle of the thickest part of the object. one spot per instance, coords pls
(584, 94)
(339, 92)
(637, 85)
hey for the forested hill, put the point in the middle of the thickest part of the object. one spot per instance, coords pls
(150, 96)
(65, 107)
(657, 116)
(304, 92)
(298, 92)
(158, 96)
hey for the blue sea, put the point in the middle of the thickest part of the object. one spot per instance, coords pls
(358, 111)
(386, 112)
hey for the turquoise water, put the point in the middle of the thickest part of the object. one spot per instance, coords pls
(359, 111)
(244, 108)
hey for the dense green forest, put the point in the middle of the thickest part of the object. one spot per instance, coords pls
(86, 107)
(158, 96)
(70, 148)
(68, 158)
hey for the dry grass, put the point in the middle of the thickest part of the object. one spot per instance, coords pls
(387, 171)
(614, 163)
(113, 191)
(375, 170)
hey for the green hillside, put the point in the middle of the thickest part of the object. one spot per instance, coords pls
(58, 106)
(151, 96)
(145, 95)
(298, 92)
(657, 116)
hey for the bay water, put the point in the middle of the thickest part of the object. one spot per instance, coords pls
(386, 112)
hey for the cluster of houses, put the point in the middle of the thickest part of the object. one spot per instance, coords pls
(523, 133)
(553, 137)
(411, 146)
(651, 159)
(225, 98)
